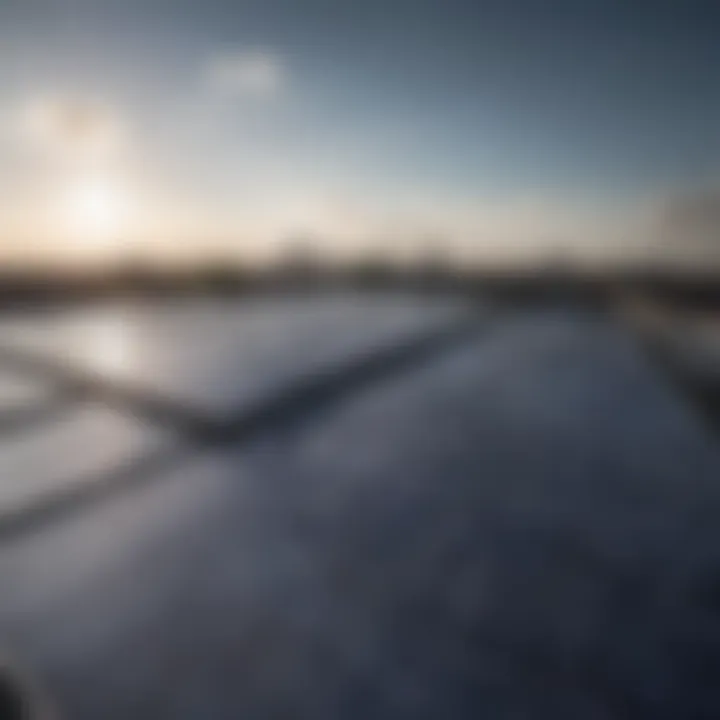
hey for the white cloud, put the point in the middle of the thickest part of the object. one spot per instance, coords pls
(69, 129)
(250, 73)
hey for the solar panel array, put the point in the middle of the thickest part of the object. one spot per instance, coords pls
(442, 515)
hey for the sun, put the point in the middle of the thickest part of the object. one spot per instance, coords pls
(96, 210)
(80, 148)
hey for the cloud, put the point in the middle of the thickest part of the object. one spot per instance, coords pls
(69, 129)
(250, 73)
(682, 228)
(693, 218)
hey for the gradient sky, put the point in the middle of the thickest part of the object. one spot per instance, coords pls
(499, 125)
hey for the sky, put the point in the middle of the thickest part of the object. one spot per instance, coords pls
(184, 129)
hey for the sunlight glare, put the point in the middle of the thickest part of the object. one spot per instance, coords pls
(97, 211)
(107, 343)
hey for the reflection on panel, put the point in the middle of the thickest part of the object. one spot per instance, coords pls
(17, 391)
(220, 354)
(81, 445)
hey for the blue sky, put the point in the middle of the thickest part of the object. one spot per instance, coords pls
(370, 112)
